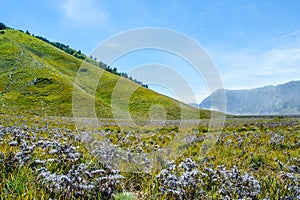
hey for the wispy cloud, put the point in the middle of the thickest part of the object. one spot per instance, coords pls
(282, 60)
(250, 68)
(87, 11)
(290, 34)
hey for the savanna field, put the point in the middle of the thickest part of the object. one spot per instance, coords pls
(47, 152)
(51, 158)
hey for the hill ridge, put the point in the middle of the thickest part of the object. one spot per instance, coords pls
(25, 58)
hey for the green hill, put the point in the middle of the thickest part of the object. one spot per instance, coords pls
(37, 78)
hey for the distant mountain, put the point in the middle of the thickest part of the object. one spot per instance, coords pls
(282, 99)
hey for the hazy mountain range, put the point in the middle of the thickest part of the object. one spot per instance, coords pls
(282, 99)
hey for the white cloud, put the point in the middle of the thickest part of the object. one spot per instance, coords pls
(83, 11)
(288, 57)
(250, 68)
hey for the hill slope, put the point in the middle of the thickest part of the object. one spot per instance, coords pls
(283, 99)
(37, 78)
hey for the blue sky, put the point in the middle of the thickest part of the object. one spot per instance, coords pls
(252, 43)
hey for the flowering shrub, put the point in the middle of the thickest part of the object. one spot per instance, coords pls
(80, 181)
(181, 181)
(252, 159)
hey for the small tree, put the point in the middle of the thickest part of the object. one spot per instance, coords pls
(27, 32)
(2, 26)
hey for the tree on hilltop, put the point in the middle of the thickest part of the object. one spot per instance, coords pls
(2, 26)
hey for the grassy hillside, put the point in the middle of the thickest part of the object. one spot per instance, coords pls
(37, 78)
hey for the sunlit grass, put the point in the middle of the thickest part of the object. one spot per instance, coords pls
(25, 59)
